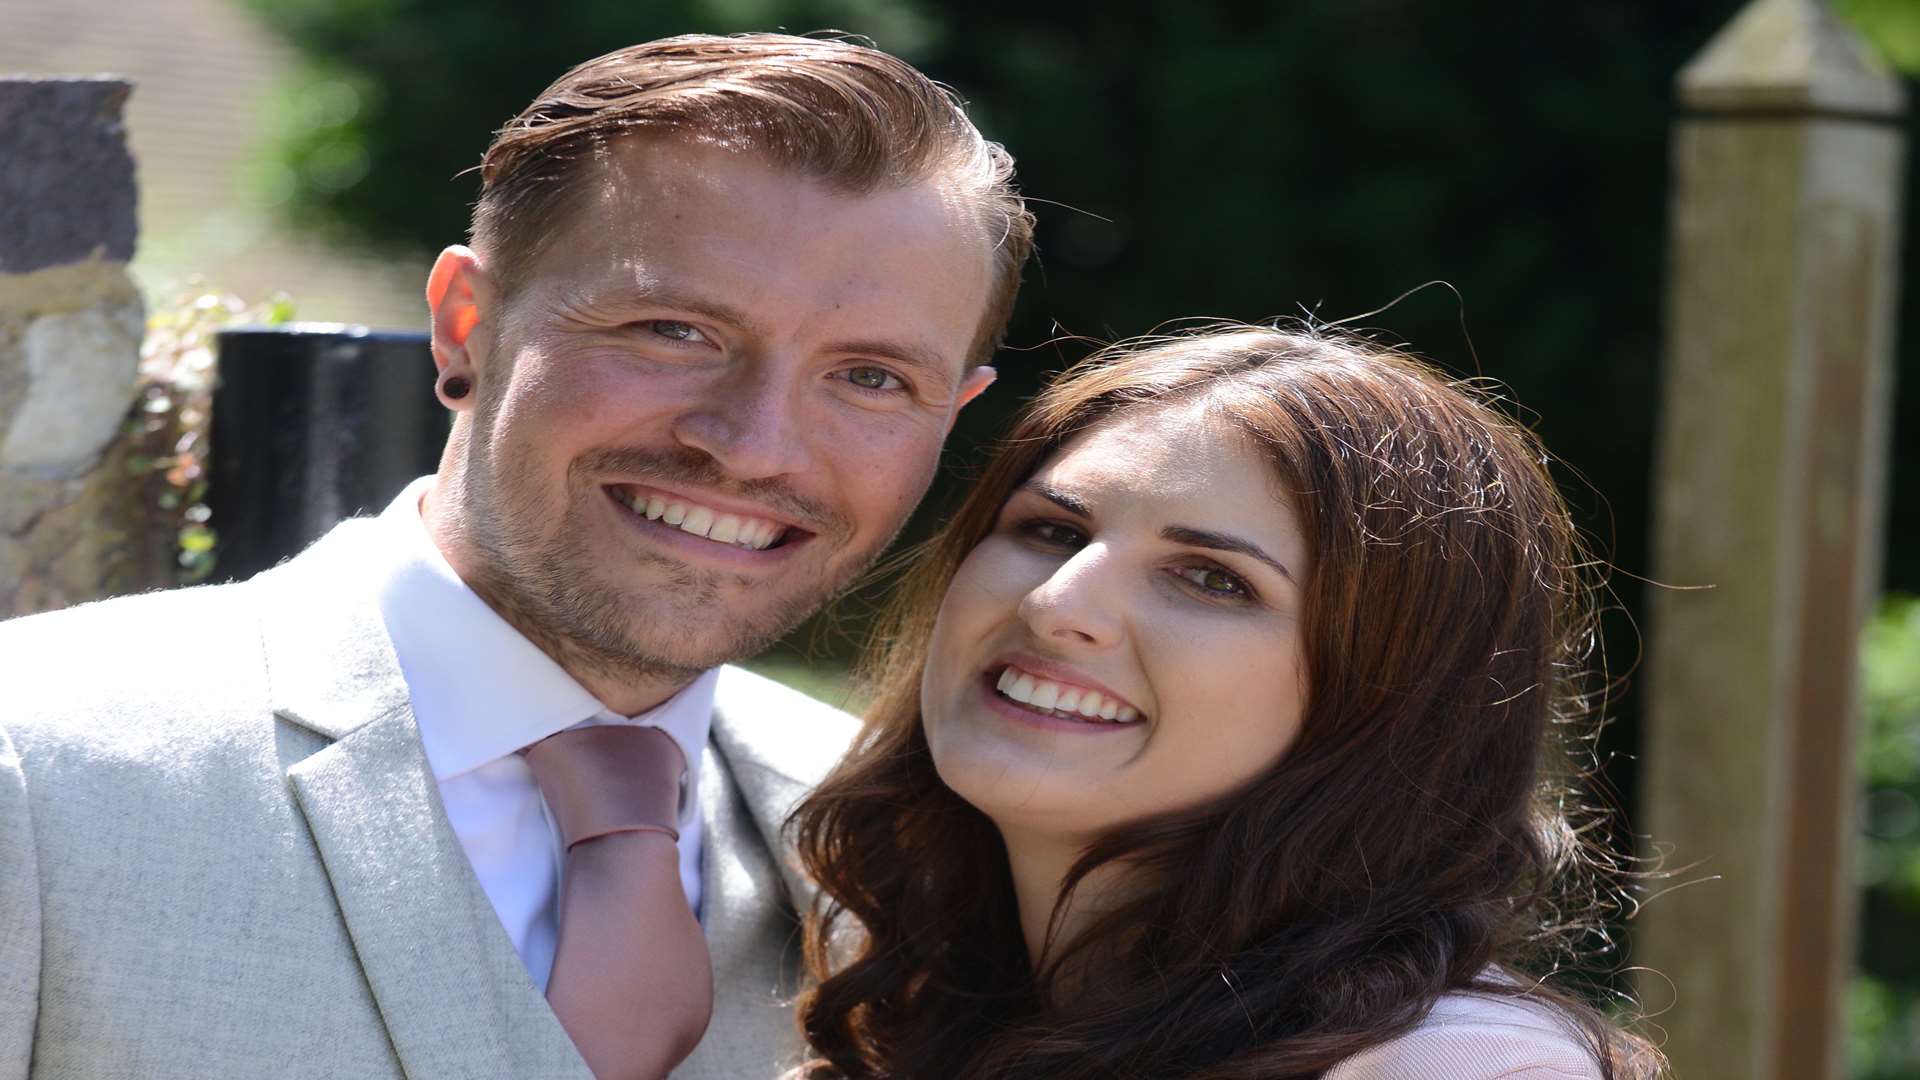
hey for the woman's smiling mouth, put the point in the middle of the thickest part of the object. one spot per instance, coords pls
(1034, 697)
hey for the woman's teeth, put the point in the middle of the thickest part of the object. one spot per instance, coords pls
(751, 533)
(1063, 699)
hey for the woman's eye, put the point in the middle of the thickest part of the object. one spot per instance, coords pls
(1053, 533)
(873, 378)
(1212, 579)
(676, 331)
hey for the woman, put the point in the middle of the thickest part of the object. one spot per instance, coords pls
(1223, 733)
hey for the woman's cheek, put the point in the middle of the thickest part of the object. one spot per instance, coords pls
(991, 577)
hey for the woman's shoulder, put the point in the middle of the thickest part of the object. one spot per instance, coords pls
(1474, 1036)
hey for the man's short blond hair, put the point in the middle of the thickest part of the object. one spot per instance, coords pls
(842, 114)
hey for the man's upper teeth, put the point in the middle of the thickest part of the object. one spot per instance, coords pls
(690, 517)
(1046, 694)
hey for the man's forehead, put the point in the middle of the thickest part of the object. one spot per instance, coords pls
(690, 165)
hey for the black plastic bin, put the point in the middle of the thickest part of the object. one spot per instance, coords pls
(313, 423)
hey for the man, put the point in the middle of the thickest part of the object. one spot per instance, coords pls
(724, 300)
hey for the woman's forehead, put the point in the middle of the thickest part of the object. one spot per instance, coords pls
(1162, 444)
(1171, 454)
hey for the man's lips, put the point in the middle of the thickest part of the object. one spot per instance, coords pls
(715, 520)
(688, 545)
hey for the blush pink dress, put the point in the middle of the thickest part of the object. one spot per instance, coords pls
(1479, 1037)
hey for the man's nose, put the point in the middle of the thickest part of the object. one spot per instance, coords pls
(749, 422)
(1079, 604)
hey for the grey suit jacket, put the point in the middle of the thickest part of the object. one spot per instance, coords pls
(223, 854)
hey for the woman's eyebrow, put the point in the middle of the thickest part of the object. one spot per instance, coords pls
(1067, 501)
(1181, 534)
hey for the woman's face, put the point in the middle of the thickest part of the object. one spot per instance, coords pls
(1126, 641)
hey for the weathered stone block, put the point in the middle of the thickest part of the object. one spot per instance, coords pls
(76, 518)
(66, 180)
(80, 376)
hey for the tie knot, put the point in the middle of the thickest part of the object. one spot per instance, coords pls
(609, 778)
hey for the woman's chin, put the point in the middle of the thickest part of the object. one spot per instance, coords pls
(1015, 793)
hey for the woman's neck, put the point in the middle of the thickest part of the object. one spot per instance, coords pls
(1039, 865)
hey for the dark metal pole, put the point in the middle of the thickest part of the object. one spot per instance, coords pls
(312, 424)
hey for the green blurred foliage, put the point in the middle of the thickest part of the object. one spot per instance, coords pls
(1886, 997)
(1892, 25)
(1236, 158)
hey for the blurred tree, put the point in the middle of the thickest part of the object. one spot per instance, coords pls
(1886, 997)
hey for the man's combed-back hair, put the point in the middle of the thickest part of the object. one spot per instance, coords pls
(1426, 833)
(844, 115)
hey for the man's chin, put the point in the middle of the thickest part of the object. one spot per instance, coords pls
(713, 634)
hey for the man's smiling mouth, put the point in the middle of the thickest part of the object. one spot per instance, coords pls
(719, 526)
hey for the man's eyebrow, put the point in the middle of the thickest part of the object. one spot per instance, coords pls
(1202, 538)
(639, 295)
(906, 354)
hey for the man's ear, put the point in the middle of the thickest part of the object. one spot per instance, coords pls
(971, 387)
(460, 295)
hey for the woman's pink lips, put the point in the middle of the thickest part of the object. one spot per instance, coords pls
(1040, 667)
(1015, 711)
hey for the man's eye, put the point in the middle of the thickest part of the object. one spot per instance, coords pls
(676, 331)
(1212, 579)
(873, 378)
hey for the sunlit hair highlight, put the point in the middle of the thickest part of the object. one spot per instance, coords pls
(1426, 833)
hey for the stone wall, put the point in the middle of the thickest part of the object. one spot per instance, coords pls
(75, 523)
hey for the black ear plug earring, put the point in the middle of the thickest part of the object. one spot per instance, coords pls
(456, 387)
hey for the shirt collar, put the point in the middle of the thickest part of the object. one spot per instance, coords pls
(481, 690)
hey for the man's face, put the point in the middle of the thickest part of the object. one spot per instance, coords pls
(714, 401)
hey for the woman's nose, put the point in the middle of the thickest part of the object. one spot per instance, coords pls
(1079, 604)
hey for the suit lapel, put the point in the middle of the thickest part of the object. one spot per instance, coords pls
(767, 783)
(760, 761)
(752, 936)
(451, 989)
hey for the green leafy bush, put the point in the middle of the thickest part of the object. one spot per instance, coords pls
(1885, 1042)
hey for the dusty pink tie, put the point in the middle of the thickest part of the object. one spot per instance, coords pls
(632, 982)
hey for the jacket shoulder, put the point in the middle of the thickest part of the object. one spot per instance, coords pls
(148, 662)
(801, 736)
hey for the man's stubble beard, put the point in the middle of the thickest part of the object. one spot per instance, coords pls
(544, 587)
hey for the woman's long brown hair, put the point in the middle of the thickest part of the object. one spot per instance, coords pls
(1424, 834)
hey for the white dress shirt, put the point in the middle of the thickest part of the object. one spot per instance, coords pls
(480, 693)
